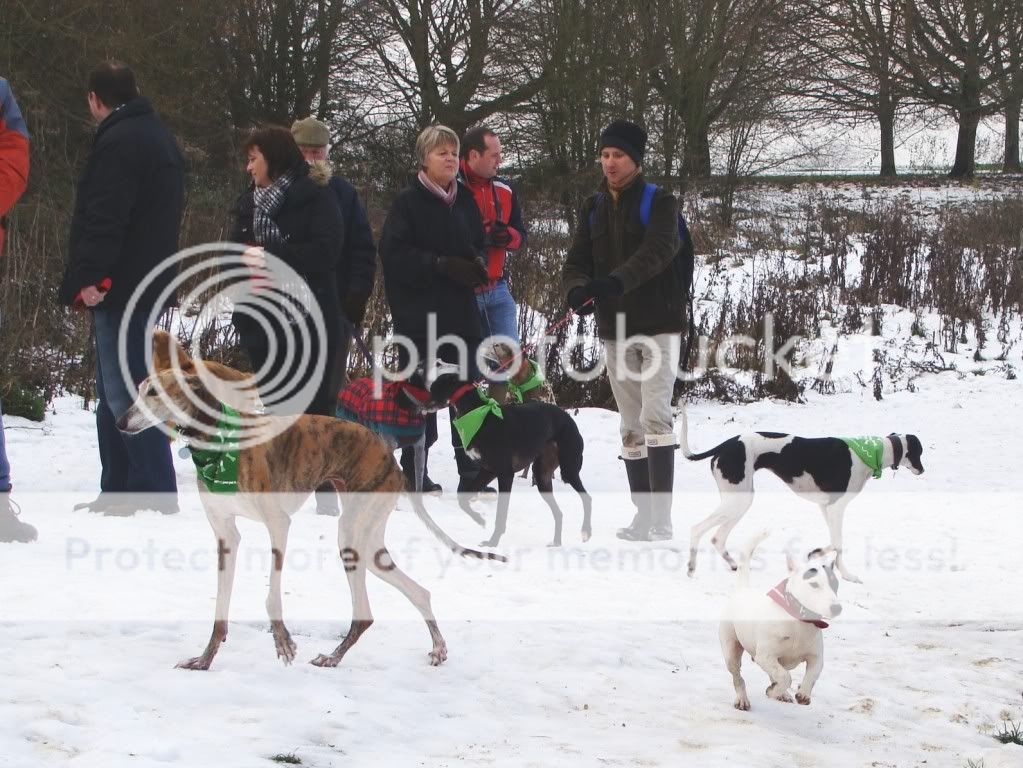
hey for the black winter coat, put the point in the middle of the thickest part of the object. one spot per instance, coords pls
(643, 258)
(128, 207)
(311, 221)
(358, 266)
(420, 227)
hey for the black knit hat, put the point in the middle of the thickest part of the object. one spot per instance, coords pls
(626, 136)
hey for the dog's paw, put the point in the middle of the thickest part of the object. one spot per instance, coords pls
(742, 703)
(201, 663)
(802, 698)
(285, 645)
(438, 655)
(327, 661)
(491, 542)
(784, 696)
(586, 536)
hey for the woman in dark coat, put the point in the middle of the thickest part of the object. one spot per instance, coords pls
(292, 214)
(432, 249)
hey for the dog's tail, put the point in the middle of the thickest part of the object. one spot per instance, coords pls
(742, 574)
(683, 441)
(436, 530)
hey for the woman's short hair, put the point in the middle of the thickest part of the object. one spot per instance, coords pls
(433, 137)
(278, 146)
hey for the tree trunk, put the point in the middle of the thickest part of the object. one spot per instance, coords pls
(886, 117)
(966, 147)
(696, 160)
(1011, 162)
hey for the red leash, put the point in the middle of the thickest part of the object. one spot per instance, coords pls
(522, 351)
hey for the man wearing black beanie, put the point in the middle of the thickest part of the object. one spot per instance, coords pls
(622, 264)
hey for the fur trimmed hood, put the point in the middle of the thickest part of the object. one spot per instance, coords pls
(320, 172)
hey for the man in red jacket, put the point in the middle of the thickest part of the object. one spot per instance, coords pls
(502, 221)
(13, 180)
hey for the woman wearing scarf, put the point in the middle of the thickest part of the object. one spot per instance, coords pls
(291, 213)
(432, 249)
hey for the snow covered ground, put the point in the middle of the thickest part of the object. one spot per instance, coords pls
(602, 653)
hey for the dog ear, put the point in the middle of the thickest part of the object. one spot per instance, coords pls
(897, 451)
(169, 353)
(790, 562)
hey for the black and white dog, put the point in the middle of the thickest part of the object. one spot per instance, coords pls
(824, 470)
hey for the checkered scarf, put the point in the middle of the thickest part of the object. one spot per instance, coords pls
(268, 201)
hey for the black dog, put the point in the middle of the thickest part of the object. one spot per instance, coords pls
(534, 434)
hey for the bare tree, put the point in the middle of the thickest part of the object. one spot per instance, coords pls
(851, 71)
(456, 61)
(1009, 57)
(277, 56)
(713, 49)
(949, 59)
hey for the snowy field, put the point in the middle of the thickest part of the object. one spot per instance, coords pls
(592, 655)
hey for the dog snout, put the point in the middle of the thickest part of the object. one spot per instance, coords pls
(836, 609)
(122, 423)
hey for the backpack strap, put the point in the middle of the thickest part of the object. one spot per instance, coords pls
(647, 203)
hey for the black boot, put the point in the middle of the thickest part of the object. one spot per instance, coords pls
(661, 460)
(11, 528)
(408, 469)
(639, 484)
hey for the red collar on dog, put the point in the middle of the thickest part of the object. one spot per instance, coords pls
(462, 390)
(793, 607)
(420, 394)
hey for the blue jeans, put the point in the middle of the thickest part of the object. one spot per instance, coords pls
(5, 466)
(498, 314)
(139, 463)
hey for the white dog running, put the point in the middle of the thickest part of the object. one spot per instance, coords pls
(781, 628)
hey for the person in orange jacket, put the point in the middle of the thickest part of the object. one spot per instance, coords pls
(13, 180)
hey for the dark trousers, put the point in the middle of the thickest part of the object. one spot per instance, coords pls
(339, 374)
(139, 463)
(292, 389)
(467, 467)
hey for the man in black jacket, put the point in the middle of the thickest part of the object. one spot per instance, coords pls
(125, 227)
(626, 269)
(356, 269)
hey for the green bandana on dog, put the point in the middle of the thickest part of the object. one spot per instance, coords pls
(869, 449)
(534, 381)
(469, 424)
(218, 467)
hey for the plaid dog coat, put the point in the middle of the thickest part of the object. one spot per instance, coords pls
(386, 415)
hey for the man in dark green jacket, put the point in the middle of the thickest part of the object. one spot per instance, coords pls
(625, 268)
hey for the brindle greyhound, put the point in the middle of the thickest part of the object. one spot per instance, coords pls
(274, 477)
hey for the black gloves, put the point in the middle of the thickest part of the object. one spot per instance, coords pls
(500, 235)
(577, 298)
(602, 288)
(468, 273)
(599, 289)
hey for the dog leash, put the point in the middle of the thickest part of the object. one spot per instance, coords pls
(360, 343)
(532, 345)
